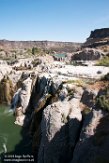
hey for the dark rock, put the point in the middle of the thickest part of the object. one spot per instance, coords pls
(99, 33)
(97, 38)
(87, 54)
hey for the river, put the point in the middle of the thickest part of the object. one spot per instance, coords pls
(13, 138)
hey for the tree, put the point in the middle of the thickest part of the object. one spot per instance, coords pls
(35, 50)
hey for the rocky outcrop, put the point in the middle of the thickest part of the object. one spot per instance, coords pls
(87, 54)
(21, 99)
(57, 104)
(6, 90)
(63, 107)
(99, 33)
(98, 38)
(91, 144)
(58, 120)
(86, 150)
(4, 69)
(63, 118)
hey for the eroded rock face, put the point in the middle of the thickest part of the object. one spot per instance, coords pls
(21, 100)
(87, 54)
(44, 88)
(98, 38)
(88, 97)
(93, 143)
(58, 121)
(6, 90)
(20, 117)
(61, 130)
(49, 45)
(25, 93)
(100, 33)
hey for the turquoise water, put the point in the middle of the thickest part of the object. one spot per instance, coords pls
(9, 132)
(60, 55)
(13, 138)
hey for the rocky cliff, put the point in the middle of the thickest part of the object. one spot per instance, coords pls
(67, 121)
(99, 33)
(98, 38)
(64, 108)
(46, 45)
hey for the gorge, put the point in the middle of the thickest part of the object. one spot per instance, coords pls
(61, 108)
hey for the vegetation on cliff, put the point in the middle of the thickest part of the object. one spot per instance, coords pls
(103, 62)
(103, 99)
(6, 90)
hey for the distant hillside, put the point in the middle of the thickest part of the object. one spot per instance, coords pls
(48, 45)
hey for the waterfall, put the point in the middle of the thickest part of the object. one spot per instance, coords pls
(47, 87)
(3, 141)
(4, 148)
(15, 99)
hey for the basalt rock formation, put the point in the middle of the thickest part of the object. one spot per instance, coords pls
(98, 38)
(65, 108)
(65, 119)
(99, 33)
(87, 54)
(46, 45)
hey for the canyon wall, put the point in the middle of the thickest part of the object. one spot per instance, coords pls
(46, 45)
(98, 38)
(100, 33)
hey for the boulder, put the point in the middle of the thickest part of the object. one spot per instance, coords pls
(59, 127)
(87, 54)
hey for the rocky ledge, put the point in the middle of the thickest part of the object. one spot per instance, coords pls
(98, 38)
(67, 117)
(64, 107)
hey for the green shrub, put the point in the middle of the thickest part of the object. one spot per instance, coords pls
(103, 100)
(29, 51)
(76, 82)
(106, 77)
(1, 49)
(103, 62)
(86, 110)
(35, 50)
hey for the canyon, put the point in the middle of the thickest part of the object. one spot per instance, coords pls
(60, 102)
(47, 45)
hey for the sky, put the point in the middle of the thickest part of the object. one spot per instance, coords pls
(53, 20)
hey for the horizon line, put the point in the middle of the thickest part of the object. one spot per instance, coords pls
(41, 41)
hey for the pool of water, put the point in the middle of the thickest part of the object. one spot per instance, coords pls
(13, 138)
(60, 55)
(10, 134)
